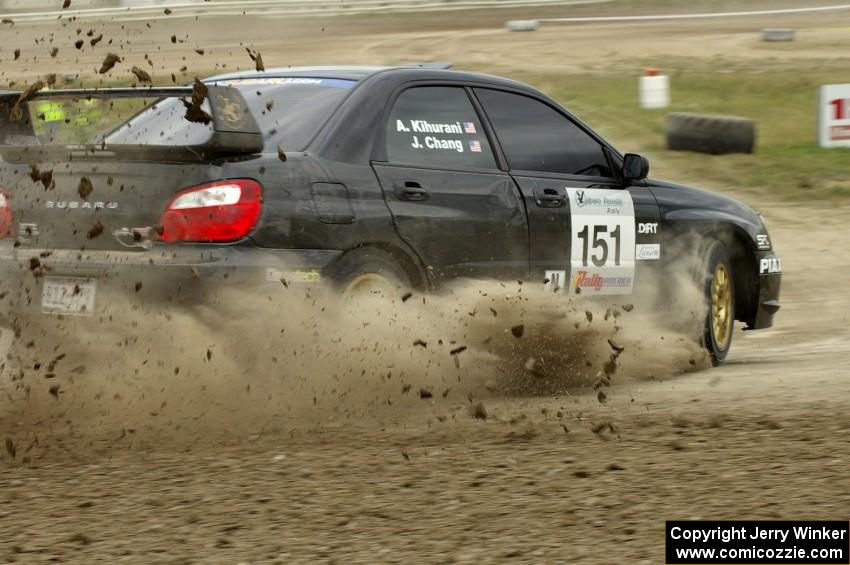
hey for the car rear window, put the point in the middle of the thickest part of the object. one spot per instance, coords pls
(289, 110)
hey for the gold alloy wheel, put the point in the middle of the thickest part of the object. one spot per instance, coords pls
(371, 284)
(721, 306)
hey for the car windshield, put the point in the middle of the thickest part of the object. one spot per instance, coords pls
(289, 111)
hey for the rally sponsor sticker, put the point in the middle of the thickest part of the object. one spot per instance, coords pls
(602, 259)
(554, 281)
(648, 251)
(771, 265)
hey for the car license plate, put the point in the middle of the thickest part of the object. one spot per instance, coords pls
(69, 296)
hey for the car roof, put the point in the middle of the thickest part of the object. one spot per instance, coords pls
(412, 71)
(343, 72)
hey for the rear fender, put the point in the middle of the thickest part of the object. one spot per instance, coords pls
(405, 258)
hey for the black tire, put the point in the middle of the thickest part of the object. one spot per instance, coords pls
(720, 304)
(370, 265)
(715, 135)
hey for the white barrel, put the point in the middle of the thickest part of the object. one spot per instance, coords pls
(777, 34)
(522, 25)
(654, 91)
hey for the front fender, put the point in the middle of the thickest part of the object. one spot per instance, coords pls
(692, 218)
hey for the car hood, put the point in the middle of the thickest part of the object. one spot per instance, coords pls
(680, 202)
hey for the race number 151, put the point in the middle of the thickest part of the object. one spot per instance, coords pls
(840, 108)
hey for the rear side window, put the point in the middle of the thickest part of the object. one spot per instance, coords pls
(437, 126)
(536, 137)
(289, 111)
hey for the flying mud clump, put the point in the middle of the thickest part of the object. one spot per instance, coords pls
(194, 110)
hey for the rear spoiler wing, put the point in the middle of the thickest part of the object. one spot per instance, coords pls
(234, 129)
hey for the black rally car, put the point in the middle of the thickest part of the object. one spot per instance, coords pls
(355, 177)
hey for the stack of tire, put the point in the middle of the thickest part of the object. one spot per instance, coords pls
(716, 135)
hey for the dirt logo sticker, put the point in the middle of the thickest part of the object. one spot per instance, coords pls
(602, 259)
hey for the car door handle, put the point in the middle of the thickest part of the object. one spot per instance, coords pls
(549, 198)
(410, 190)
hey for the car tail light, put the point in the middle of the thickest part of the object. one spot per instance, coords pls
(6, 225)
(217, 212)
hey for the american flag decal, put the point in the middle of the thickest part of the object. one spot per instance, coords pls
(475, 146)
(469, 127)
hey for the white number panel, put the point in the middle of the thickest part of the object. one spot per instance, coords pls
(602, 259)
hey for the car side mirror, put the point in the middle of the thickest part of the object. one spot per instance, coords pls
(635, 167)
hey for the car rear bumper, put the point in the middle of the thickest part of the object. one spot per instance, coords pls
(186, 274)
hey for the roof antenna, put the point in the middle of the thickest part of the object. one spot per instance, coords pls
(437, 66)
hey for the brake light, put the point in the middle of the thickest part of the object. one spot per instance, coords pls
(6, 223)
(217, 212)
